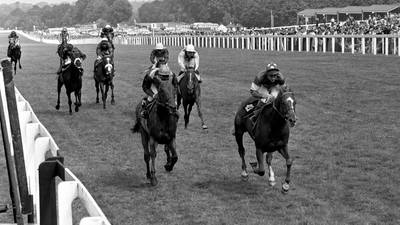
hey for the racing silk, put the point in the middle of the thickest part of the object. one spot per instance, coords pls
(104, 48)
(14, 41)
(148, 86)
(261, 87)
(159, 56)
(184, 62)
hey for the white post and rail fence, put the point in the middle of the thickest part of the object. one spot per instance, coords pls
(355, 44)
(41, 188)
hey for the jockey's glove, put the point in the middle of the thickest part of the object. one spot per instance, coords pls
(98, 57)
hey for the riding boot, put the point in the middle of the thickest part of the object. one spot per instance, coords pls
(144, 112)
(257, 111)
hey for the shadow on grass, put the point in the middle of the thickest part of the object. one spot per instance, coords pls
(123, 179)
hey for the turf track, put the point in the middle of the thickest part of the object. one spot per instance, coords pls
(345, 145)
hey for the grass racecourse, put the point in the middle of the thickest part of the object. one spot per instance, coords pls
(345, 145)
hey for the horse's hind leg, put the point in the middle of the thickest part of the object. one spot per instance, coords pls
(271, 174)
(285, 153)
(174, 158)
(59, 84)
(112, 93)
(153, 154)
(241, 150)
(198, 103)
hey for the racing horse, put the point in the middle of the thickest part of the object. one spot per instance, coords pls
(160, 126)
(103, 78)
(71, 77)
(270, 132)
(189, 94)
(14, 52)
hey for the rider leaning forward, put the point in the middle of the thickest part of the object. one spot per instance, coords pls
(188, 58)
(13, 41)
(265, 87)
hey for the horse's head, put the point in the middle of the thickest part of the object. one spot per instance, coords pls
(191, 79)
(77, 57)
(285, 104)
(108, 67)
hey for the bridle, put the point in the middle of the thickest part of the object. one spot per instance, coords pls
(276, 109)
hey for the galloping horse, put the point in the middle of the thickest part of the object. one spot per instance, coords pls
(270, 133)
(160, 127)
(14, 52)
(103, 78)
(190, 94)
(71, 77)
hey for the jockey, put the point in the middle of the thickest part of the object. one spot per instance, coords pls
(159, 55)
(264, 87)
(13, 41)
(103, 48)
(64, 36)
(188, 58)
(149, 87)
(108, 32)
(64, 46)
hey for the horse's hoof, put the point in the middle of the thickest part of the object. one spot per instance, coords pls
(112, 102)
(272, 183)
(77, 109)
(204, 127)
(259, 173)
(57, 107)
(168, 167)
(244, 175)
(153, 181)
(148, 176)
(285, 188)
(97, 101)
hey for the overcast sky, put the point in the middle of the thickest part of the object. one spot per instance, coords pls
(37, 1)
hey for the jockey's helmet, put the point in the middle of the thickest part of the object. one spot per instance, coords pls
(64, 30)
(159, 46)
(164, 70)
(271, 66)
(190, 48)
(107, 26)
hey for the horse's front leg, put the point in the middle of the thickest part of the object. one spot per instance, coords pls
(260, 160)
(271, 174)
(15, 67)
(96, 84)
(174, 157)
(77, 100)
(145, 143)
(19, 63)
(107, 86)
(69, 102)
(241, 150)
(103, 96)
(59, 85)
(285, 153)
(112, 92)
(153, 153)
(198, 103)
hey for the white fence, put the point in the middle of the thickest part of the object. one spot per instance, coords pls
(38, 145)
(355, 44)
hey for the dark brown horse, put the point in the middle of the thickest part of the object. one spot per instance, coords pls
(71, 78)
(270, 133)
(103, 78)
(160, 127)
(14, 52)
(189, 94)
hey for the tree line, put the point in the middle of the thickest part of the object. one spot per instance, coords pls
(249, 13)
(82, 12)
